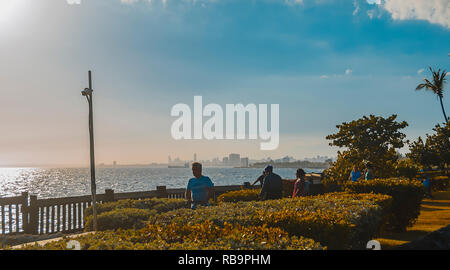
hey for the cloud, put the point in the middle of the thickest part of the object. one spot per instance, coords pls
(348, 72)
(356, 5)
(433, 11)
(420, 71)
(74, 2)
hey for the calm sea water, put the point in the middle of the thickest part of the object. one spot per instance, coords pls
(62, 182)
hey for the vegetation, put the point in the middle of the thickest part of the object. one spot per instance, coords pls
(436, 85)
(406, 198)
(373, 140)
(434, 214)
(435, 151)
(127, 214)
(336, 222)
(240, 195)
(192, 237)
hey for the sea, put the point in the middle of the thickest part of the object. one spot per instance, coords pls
(63, 182)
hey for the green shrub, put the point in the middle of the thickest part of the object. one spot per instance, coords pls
(240, 195)
(406, 198)
(189, 237)
(127, 214)
(158, 204)
(440, 183)
(124, 218)
(338, 222)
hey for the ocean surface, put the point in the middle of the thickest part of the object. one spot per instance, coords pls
(63, 182)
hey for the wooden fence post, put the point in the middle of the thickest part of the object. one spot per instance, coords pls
(109, 194)
(161, 191)
(24, 212)
(33, 211)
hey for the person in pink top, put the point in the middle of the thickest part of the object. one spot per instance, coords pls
(300, 185)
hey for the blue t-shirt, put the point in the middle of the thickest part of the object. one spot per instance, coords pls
(426, 182)
(355, 175)
(199, 188)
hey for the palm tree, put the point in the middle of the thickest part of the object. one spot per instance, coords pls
(437, 86)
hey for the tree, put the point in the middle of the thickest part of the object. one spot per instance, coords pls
(435, 151)
(372, 139)
(436, 86)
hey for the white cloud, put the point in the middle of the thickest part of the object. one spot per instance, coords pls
(74, 2)
(356, 5)
(348, 71)
(433, 11)
(374, 2)
(420, 71)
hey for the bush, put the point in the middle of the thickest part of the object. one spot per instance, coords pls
(124, 218)
(440, 183)
(406, 198)
(240, 195)
(339, 222)
(158, 204)
(127, 214)
(205, 235)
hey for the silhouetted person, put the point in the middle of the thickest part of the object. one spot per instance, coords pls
(200, 188)
(272, 186)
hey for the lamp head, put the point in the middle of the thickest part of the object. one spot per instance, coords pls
(86, 92)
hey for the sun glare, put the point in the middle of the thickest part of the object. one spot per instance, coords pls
(9, 10)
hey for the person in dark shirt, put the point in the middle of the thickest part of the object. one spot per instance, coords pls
(272, 185)
(260, 179)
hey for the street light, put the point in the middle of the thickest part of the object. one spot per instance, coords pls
(87, 92)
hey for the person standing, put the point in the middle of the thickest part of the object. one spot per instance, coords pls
(355, 174)
(272, 186)
(427, 184)
(369, 172)
(200, 188)
(300, 189)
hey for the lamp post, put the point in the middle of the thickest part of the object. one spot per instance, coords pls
(87, 92)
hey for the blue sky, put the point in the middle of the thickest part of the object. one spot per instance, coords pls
(323, 61)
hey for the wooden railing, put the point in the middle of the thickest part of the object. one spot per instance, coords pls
(30, 215)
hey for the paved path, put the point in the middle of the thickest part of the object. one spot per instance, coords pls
(43, 242)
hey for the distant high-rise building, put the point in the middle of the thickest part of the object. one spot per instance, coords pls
(234, 159)
(195, 157)
(114, 163)
(225, 161)
(244, 162)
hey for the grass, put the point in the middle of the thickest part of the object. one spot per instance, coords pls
(434, 214)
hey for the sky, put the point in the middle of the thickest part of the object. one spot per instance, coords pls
(323, 61)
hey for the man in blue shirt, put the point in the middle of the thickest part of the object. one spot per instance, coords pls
(200, 188)
(355, 174)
